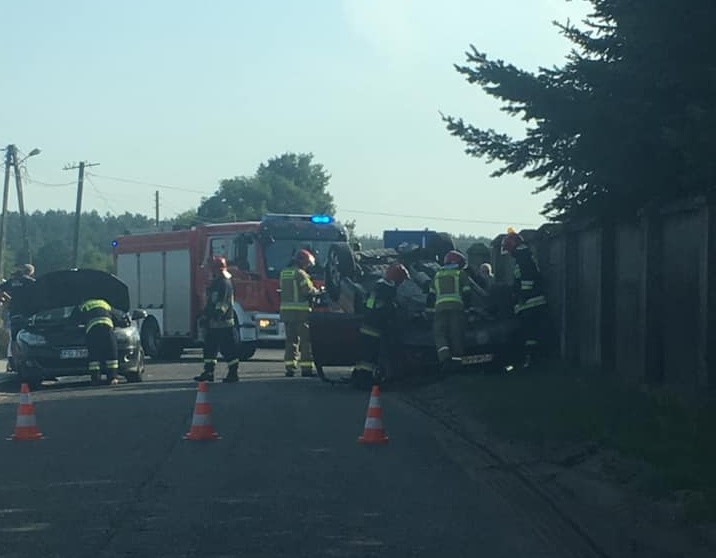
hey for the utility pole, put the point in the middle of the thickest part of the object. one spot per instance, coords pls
(78, 207)
(5, 192)
(156, 208)
(21, 205)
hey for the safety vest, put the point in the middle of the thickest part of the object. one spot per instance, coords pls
(293, 283)
(446, 285)
(99, 312)
(379, 309)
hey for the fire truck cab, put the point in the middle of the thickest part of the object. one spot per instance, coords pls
(167, 274)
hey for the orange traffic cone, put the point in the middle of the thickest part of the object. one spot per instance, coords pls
(25, 426)
(201, 428)
(373, 432)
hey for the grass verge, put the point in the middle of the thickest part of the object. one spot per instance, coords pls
(557, 405)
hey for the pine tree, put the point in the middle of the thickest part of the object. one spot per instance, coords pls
(628, 118)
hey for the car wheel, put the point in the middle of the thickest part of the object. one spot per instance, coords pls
(362, 380)
(33, 381)
(137, 375)
(151, 337)
(340, 264)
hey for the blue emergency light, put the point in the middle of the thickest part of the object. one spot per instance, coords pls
(321, 219)
(114, 243)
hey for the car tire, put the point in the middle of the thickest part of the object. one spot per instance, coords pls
(151, 337)
(340, 264)
(137, 375)
(33, 381)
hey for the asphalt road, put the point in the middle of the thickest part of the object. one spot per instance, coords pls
(113, 477)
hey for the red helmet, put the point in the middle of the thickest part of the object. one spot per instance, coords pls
(397, 273)
(456, 258)
(511, 241)
(304, 258)
(218, 263)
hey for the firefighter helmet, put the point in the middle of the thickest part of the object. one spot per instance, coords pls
(453, 257)
(511, 241)
(397, 273)
(304, 259)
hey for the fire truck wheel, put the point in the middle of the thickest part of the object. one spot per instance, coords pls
(151, 338)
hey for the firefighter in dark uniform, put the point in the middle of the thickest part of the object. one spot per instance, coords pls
(220, 327)
(452, 288)
(100, 318)
(530, 301)
(378, 325)
(23, 275)
(297, 290)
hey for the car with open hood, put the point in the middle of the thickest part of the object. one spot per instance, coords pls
(51, 332)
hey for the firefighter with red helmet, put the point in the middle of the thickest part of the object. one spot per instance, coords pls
(530, 301)
(297, 290)
(450, 293)
(378, 323)
(220, 333)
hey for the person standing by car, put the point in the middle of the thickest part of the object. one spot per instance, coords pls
(530, 302)
(23, 275)
(100, 319)
(451, 289)
(221, 334)
(378, 323)
(297, 288)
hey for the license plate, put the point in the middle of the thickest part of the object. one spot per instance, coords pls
(477, 359)
(73, 353)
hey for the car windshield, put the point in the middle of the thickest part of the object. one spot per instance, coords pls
(280, 253)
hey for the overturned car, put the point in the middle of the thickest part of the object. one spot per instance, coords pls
(50, 340)
(491, 338)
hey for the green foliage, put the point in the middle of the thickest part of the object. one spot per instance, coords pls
(289, 183)
(51, 236)
(627, 120)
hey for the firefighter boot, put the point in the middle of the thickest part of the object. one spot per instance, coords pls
(205, 376)
(233, 376)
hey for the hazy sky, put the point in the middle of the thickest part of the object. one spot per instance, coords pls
(184, 94)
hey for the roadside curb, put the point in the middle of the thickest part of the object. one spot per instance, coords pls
(605, 512)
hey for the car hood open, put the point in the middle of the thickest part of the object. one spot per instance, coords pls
(70, 287)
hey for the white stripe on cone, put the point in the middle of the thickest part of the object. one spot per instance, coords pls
(25, 420)
(374, 402)
(201, 397)
(373, 423)
(200, 420)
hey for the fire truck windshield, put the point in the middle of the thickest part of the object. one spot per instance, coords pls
(279, 255)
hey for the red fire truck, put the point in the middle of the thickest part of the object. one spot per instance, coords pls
(167, 275)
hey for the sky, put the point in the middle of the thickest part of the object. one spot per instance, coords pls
(172, 95)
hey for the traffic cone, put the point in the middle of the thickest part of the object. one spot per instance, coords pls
(25, 426)
(201, 428)
(373, 432)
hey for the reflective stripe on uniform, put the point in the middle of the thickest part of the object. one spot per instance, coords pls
(93, 366)
(210, 361)
(452, 290)
(367, 330)
(290, 294)
(527, 285)
(111, 364)
(234, 362)
(99, 321)
(95, 303)
(533, 302)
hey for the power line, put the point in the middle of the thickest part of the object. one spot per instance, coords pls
(153, 184)
(435, 218)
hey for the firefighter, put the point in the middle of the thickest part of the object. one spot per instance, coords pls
(23, 275)
(100, 319)
(452, 288)
(220, 333)
(378, 323)
(297, 290)
(528, 294)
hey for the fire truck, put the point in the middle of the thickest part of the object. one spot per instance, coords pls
(167, 274)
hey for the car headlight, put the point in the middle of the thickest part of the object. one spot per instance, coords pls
(31, 339)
